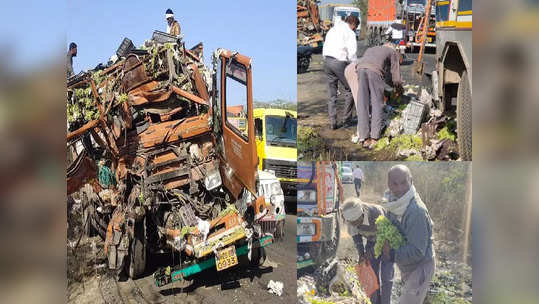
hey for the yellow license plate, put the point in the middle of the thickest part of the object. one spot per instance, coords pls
(226, 258)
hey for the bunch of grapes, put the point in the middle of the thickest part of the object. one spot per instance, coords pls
(386, 231)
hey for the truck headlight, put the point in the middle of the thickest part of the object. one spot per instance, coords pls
(212, 180)
(276, 188)
(306, 229)
(306, 196)
(276, 199)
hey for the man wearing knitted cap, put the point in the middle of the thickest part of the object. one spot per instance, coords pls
(416, 257)
(173, 27)
(360, 219)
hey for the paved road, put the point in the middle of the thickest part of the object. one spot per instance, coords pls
(312, 108)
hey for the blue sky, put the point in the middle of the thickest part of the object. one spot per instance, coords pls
(264, 31)
(32, 33)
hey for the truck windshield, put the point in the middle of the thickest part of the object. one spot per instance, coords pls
(343, 14)
(281, 131)
(422, 2)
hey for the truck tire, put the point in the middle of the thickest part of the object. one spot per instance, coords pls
(87, 212)
(137, 252)
(279, 230)
(87, 222)
(303, 64)
(464, 118)
(258, 256)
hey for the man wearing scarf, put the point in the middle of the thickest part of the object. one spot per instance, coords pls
(173, 27)
(416, 258)
(360, 219)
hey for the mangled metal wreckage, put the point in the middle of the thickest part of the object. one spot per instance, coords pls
(158, 166)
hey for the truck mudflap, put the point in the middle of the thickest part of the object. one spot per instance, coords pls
(166, 275)
(306, 263)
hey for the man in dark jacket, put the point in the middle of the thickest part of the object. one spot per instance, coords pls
(415, 258)
(360, 219)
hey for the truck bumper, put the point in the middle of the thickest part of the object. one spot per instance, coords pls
(165, 276)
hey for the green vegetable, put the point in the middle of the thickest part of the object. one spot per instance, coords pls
(187, 230)
(386, 231)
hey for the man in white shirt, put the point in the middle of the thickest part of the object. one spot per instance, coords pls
(396, 34)
(339, 50)
(358, 178)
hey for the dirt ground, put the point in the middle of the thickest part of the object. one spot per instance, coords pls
(452, 282)
(90, 283)
(313, 113)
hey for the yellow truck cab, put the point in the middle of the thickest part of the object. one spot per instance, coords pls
(276, 134)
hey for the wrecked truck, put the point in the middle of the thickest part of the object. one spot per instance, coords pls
(157, 164)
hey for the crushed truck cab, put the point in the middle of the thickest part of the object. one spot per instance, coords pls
(160, 165)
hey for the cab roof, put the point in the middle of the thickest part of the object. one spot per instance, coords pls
(275, 112)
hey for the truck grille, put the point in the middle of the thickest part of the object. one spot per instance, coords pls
(282, 168)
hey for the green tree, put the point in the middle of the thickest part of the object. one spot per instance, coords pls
(363, 6)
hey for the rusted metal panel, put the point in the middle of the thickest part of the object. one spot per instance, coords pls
(143, 97)
(134, 73)
(81, 171)
(171, 131)
(200, 84)
(240, 154)
(189, 96)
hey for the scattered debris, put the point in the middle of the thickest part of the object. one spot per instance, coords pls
(413, 116)
(342, 287)
(275, 287)
(310, 31)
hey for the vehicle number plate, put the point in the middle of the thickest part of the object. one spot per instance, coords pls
(226, 258)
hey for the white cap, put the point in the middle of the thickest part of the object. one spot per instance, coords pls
(352, 209)
(169, 16)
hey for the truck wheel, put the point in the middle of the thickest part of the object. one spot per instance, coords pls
(303, 64)
(87, 214)
(87, 222)
(258, 256)
(279, 230)
(464, 118)
(137, 252)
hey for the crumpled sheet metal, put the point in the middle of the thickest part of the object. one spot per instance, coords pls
(309, 29)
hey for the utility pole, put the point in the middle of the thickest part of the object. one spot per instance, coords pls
(425, 28)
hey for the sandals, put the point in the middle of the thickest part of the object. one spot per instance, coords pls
(370, 143)
(355, 139)
(365, 143)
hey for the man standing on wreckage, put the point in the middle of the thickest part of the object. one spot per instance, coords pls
(173, 27)
(360, 218)
(416, 257)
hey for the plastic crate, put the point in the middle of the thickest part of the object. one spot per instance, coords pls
(126, 46)
(162, 37)
(413, 115)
